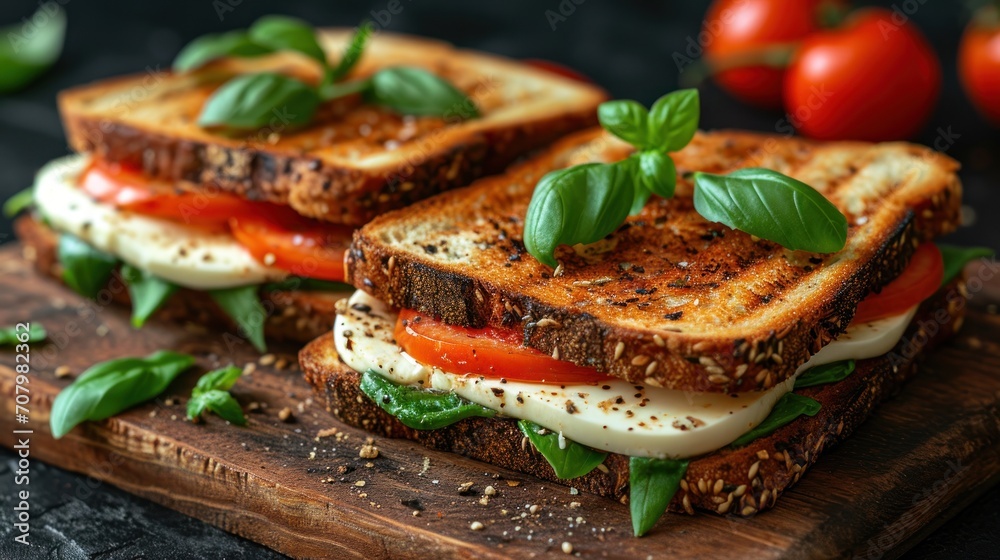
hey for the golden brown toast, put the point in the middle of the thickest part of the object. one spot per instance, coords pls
(354, 161)
(294, 315)
(741, 481)
(670, 299)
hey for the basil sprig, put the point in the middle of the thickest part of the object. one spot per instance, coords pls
(26, 53)
(573, 461)
(824, 374)
(211, 393)
(416, 408)
(13, 335)
(253, 101)
(18, 202)
(85, 269)
(587, 202)
(243, 305)
(789, 407)
(652, 484)
(147, 292)
(108, 388)
(955, 259)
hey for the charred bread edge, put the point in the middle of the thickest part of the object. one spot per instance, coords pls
(737, 482)
(298, 316)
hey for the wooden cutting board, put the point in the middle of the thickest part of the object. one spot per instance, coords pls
(920, 459)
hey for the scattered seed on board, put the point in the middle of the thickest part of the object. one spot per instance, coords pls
(567, 547)
(477, 526)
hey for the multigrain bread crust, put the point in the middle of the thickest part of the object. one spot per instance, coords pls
(294, 315)
(355, 160)
(669, 299)
(739, 481)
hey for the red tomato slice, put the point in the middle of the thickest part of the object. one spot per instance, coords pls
(919, 280)
(491, 352)
(130, 190)
(556, 68)
(280, 237)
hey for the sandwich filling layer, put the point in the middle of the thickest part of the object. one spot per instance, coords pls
(614, 416)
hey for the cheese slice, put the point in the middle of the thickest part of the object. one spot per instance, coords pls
(616, 416)
(187, 255)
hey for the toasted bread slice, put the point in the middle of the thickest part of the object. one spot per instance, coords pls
(740, 481)
(670, 299)
(294, 315)
(354, 161)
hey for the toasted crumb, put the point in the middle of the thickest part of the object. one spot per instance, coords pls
(267, 359)
(102, 330)
(484, 501)
(534, 509)
(253, 406)
(312, 455)
(477, 526)
(567, 547)
(359, 483)
(285, 415)
(490, 491)
(249, 368)
(464, 487)
(513, 483)
(326, 432)
(574, 505)
(170, 401)
(368, 451)
(281, 364)
(63, 371)
(974, 343)
(416, 513)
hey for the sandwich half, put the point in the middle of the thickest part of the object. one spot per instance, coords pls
(252, 226)
(675, 354)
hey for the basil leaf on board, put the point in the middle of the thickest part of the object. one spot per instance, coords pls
(415, 91)
(337, 90)
(220, 402)
(207, 48)
(243, 306)
(580, 204)
(221, 379)
(13, 335)
(823, 374)
(575, 460)
(85, 269)
(147, 292)
(652, 484)
(252, 101)
(654, 174)
(955, 259)
(287, 33)
(18, 203)
(111, 387)
(27, 52)
(352, 55)
(419, 409)
(772, 206)
(625, 119)
(308, 284)
(789, 407)
(673, 120)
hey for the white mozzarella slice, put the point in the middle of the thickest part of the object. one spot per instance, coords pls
(616, 416)
(190, 256)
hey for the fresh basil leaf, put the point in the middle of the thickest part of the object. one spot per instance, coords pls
(673, 120)
(652, 484)
(772, 206)
(419, 409)
(580, 204)
(27, 51)
(415, 91)
(12, 335)
(308, 284)
(789, 407)
(955, 259)
(85, 269)
(108, 388)
(332, 91)
(287, 33)
(220, 402)
(654, 174)
(573, 461)
(221, 379)
(243, 306)
(352, 55)
(148, 293)
(17, 203)
(207, 48)
(252, 101)
(823, 374)
(625, 119)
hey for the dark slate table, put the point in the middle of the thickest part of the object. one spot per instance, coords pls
(624, 45)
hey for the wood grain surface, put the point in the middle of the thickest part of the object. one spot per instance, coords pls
(920, 459)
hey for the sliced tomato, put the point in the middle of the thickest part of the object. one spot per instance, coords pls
(130, 190)
(491, 352)
(556, 68)
(282, 238)
(919, 280)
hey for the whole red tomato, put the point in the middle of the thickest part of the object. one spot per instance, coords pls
(756, 29)
(979, 62)
(874, 78)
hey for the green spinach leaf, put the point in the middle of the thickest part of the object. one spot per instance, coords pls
(243, 306)
(148, 293)
(673, 120)
(85, 269)
(18, 203)
(955, 259)
(212, 393)
(625, 119)
(419, 409)
(287, 33)
(789, 407)
(207, 48)
(575, 460)
(652, 484)
(415, 91)
(826, 373)
(10, 336)
(252, 101)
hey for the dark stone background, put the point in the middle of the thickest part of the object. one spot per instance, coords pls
(624, 45)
